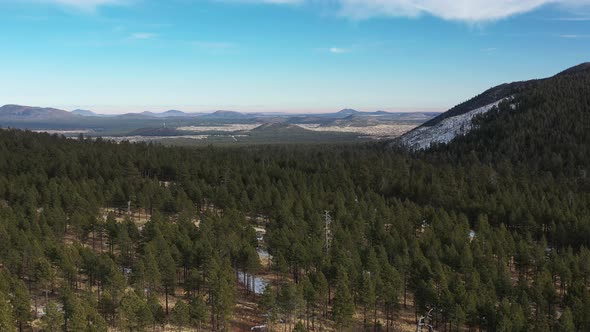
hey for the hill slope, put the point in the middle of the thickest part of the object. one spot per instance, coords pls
(30, 112)
(231, 115)
(517, 96)
(491, 230)
(84, 112)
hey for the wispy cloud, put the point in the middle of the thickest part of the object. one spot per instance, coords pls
(281, 1)
(570, 19)
(489, 49)
(455, 10)
(84, 5)
(143, 35)
(473, 11)
(213, 45)
(278, 2)
(574, 36)
(338, 50)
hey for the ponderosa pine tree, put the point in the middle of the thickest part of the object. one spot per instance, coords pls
(343, 307)
(269, 306)
(134, 313)
(21, 304)
(53, 319)
(521, 189)
(180, 315)
(167, 267)
(198, 312)
(7, 321)
(221, 292)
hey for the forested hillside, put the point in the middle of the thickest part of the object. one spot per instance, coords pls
(504, 90)
(547, 130)
(489, 232)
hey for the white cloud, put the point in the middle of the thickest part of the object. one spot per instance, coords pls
(279, 2)
(213, 45)
(455, 10)
(573, 36)
(143, 35)
(458, 10)
(338, 50)
(570, 19)
(84, 2)
(282, 1)
(85, 5)
(489, 50)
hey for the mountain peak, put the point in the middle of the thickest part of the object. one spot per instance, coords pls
(348, 111)
(83, 112)
(25, 112)
(225, 115)
(458, 121)
(174, 113)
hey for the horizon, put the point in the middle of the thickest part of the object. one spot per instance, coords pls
(288, 56)
(210, 111)
(295, 165)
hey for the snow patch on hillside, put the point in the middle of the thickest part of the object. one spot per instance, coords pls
(444, 131)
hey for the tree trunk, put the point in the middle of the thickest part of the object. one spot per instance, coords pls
(166, 291)
(375, 318)
(405, 292)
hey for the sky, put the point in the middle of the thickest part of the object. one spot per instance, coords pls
(116, 56)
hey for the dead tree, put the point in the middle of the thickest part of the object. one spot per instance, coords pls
(425, 322)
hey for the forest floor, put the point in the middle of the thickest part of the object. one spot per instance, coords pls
(246, 313)
(139, 216)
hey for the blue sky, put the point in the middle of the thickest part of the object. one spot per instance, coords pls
(117, 56)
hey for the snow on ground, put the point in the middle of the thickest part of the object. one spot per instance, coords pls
(263, 254)
(226, 128)
(382, 130)
(444, 131)
(134, 139)
(253, 283)
(64, 132)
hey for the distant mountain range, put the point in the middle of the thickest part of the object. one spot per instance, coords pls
(164, 124)
(19, 112)
(28, 112)
(85, 113)
(169, 114)
(227, 115)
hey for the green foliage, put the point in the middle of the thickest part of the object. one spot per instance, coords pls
(268, 305)
(156, 310)
(6, 317)
(222, 294)
(21, 304)
(53, 319)
(343, 303)
(180, 315)
(400, 228)
(566, 322)
(299, 327)
(197, 311)
(134, 313)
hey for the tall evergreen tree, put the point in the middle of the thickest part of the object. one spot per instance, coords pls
(343, 308)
